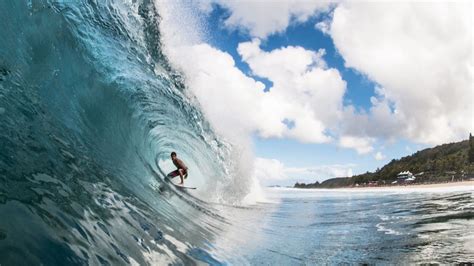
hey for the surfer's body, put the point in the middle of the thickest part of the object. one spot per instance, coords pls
(182, 169)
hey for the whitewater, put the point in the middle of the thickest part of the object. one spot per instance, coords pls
(90, 109)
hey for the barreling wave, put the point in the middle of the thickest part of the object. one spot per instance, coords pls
(89, 111)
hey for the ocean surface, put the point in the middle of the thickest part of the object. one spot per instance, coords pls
(398, 226)
(90, 109)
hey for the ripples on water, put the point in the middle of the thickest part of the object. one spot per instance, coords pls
(331, 227)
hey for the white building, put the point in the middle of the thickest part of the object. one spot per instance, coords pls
(406, 176)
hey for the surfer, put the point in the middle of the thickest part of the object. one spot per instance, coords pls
(182, 170)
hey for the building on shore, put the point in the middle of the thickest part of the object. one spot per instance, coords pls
(405, 177)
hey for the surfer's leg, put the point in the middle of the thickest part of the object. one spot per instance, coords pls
(175, 173)
(181, 176)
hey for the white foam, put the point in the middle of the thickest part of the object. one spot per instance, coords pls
(387, 231)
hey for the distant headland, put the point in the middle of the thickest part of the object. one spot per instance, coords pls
(453, 162)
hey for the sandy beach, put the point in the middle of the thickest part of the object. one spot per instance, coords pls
(422, 186)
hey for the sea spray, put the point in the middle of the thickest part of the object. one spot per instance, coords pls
(184, 37)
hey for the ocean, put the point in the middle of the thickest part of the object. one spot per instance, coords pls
(347, 226)
(90, 109)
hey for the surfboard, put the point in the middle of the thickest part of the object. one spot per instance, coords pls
(183, 187)
(178, 186)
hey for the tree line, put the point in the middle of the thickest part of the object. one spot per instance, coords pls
(447, 162)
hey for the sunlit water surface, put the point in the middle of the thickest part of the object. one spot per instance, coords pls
(364, 226)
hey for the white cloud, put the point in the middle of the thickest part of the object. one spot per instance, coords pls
(271, 171)
(379, 156)
(422, 55)
(323, 26)
(322, 172)
(361, 145)
(378, 122)
(263, 18)
(231, 101)
(304, 90)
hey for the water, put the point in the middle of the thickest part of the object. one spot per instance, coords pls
(373, 227)
(90, 109)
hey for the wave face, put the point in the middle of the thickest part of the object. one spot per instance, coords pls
(89, 111)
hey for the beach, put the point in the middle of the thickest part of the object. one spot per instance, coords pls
(422, 186)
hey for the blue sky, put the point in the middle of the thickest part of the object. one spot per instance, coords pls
(386, 100)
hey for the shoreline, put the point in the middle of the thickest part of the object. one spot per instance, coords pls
(466, 183)
(434, 185)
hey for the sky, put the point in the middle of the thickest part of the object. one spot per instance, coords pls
(317, 90)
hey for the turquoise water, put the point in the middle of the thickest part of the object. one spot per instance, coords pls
(89, 107)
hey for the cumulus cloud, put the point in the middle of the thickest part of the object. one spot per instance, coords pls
(304, 90)
(263, 18)
(305, 99)
(378, 121)
(231, 101)
(361, 145)
(421, 55)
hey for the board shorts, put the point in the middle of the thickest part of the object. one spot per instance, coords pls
(176, 173)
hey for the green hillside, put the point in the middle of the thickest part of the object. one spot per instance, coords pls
(439, 164)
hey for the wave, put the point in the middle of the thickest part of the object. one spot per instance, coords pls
(90, 109)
